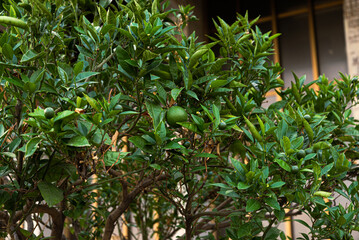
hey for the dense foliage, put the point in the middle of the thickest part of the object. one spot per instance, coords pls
(85, 138)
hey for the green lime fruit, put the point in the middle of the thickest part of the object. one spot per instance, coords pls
(49, 113)
(295, 169)
(118, 107)
(307, 117)
(301, 154)
(176, 114)
(80, 91)
(222, 125)
(187, 144)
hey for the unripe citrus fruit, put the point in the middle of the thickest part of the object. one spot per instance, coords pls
(176, 114)
(307, 117)
(222, 125)
(49, 113)
(119, 107)
(295, 169)
(301, 154)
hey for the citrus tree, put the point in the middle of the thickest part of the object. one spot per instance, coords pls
(111, 114)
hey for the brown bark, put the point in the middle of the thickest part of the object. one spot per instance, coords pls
(126, 201)
(56, 216)
(57, 220)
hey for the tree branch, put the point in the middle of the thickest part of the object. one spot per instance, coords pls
(57, 219)
(212, 226)
(216, 214)
(56, 216)
(126, 201)
(98, 67)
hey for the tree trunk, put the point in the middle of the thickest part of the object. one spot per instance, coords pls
(126, 201)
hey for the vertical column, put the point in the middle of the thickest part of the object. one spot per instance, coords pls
(274, 31)
(274, 23)
(313, 42)
(351, 29)
(125, 228)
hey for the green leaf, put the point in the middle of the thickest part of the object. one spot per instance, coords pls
(84, 75)
(63, 74)
(154, 7)
(15, 81)
(78, 67)
(217, 117)
(261, 124)
(63, 115)
(115, 100)
(218, 83)
(160, 132)
(155, 166)
(309, 130)
(272, 202)
(113, 158)
(280, 214)
(7, 51)
(198, 120)
(175, 92)
(235, 84)
(8, 154)
(322, 194)
(31, 55)
(38, 113)
(155, 111)
(321, 146)
(51, 194)
(252, 205)
(327, 168)
(138, 141)
(221, 185)
(242, 186)
(192, 94)
(31, 146)
(309, 156)
(172, 145)
(161, 93)
(208, 113)
(4, 171)
(105, 3)
(283, 164)
(188, 80)
(298, 142)
(196, 56)
(93, 103)
(79, 141)
(277, 184)
(149, 55)
(206, 155)
(341, 220)
(286, 144)
(37, 76)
